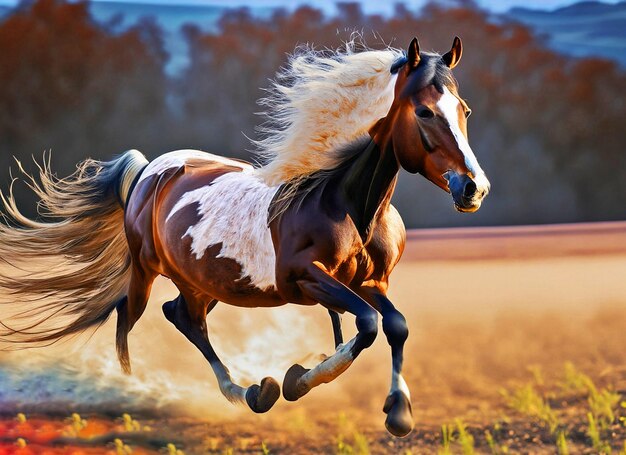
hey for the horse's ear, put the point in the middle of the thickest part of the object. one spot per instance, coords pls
(413, 54)
(452, 58)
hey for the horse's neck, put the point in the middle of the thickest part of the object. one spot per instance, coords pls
(369, 184)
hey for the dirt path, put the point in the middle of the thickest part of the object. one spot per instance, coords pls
(485, 332)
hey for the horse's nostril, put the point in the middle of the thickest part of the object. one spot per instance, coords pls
(469, 190)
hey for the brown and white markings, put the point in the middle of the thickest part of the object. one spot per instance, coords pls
(313, 226)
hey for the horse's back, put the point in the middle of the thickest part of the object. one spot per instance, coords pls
(209, 223)
(187, 158)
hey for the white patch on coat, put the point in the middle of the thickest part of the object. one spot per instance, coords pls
(448, 105)
(178, 158)
(233, 211)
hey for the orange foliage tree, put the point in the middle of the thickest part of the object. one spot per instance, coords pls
(547, 128)
(71, 85)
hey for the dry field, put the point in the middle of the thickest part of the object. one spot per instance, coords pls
(517, 345)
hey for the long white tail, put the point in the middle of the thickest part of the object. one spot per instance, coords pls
(61, 276)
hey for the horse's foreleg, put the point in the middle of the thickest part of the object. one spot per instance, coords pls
(189, 318)
(129, 310)
(398, 403)
(336, 321)
(322, 287)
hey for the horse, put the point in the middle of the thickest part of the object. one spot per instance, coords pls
(314, 225)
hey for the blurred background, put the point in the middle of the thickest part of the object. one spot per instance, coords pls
(546, 88)
(517, 332)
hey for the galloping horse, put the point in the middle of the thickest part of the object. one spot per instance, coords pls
(313, 226)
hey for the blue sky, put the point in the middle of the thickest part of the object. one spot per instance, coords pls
(369, 5)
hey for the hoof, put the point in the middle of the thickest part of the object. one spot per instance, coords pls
(291, 389)
(399, 420)
(262, 398)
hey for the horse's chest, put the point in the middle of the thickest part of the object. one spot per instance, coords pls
(232, 212)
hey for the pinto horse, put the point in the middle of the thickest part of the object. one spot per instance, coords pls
(313, 226)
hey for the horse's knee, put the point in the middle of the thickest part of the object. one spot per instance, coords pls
(169, 310)
(367, 324)
(395, 328)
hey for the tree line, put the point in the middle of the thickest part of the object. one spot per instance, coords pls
(548, 129)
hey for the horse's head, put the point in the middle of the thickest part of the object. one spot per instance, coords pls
(428, 126)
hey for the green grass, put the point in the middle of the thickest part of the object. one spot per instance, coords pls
(466, 440)
(494, 447)
(446, 440)
(595, 436)
(456, 434)
(527, 401)
(121, 448)
(602, 402)
(561, 443)
(347, 430)
(77, 424)
(575, 381)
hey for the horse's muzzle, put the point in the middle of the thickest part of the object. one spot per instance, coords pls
(467, 193)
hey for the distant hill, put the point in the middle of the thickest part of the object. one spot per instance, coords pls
(581, 30)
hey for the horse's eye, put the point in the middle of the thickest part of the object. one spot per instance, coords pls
(468, 112)
(424, 112)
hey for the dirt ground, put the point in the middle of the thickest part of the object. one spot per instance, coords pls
(522, 352)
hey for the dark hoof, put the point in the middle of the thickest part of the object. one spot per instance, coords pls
(262, 398)
(291, 390)
(169, 310)
(399, 420)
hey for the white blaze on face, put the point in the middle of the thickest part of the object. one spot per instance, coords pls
(448, 104)
(233, 212)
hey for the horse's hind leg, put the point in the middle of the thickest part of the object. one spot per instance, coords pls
(335, 318)
(188, 315)
(129, 310)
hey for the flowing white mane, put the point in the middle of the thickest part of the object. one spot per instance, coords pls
(318, 104)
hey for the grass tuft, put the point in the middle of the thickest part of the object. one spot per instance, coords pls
(466, 440)
(121, 448)
(446, 440)
(561, 443)
(360, 444)
(593, 432)
(172, 450)
(527, 401)
(494, 447)
(77, 424)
